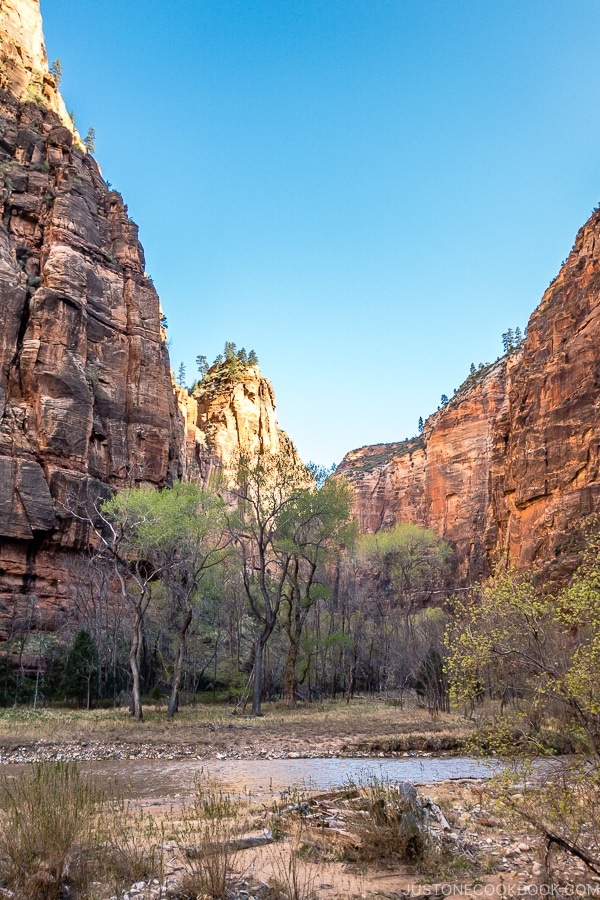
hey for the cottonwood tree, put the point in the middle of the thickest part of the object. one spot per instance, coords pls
(117, 526)
(540, 652)
(314, 527)
(268, 489)
(411, 562)
(401, 571)
(179, 534)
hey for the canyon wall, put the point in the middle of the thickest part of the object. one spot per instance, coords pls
(509, 466)
(88, 402)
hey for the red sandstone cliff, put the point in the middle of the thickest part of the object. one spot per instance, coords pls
(88, 402)
(228, 413)
(85, 386)
(510, 464)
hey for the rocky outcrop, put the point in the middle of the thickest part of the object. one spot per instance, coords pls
(230, 412)
(86, 399)
(510, 464)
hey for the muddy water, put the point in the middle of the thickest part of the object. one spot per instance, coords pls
(159, 781)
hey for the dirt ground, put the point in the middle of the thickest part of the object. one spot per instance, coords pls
(493, 856)
(498, 856)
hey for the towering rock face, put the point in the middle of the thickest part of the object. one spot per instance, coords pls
(23, 61)
(88, 402)
(510, 464)
(86, 399)
(231, 411)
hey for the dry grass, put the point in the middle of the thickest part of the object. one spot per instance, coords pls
(49, 830)
(363, 725)
(59, 837)
(205, 832)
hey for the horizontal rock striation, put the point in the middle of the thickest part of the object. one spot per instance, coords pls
(510, 465)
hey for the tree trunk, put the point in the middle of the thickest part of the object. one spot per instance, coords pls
(134, 662)
(259, 648)
(289, 675)
(174, 698)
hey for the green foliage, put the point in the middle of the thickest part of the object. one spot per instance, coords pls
(162, 525)
(56, 71)
(227, 366)
(412, 559)
(512, 340)
(81, 670)
(181, 375)
(168, 538)
(90, 140)
(320, 473)
(539, 652)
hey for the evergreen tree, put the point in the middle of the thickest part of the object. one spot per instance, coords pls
(420, 424)
(90, 140)
(56, 71)
(181, 375)
(508, 340)
(202, 364)
(229, 351)
(472, 369)
(81, 670)
(252, 358)
(443, 400)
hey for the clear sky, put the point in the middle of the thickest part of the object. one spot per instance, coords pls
(366, 192)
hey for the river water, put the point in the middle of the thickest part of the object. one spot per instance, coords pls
(159, 781)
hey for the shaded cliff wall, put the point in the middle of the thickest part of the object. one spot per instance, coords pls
(510, 464)
(86, 399)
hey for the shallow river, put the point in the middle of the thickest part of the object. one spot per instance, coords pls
(160, 781)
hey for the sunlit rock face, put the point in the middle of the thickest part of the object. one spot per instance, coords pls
(23, 62)
(510, 465)
(227, 415)
(86, 398)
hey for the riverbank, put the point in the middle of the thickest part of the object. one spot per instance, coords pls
(361, 728)
(154, 764)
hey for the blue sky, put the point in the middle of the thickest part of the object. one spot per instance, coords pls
(366, 192)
